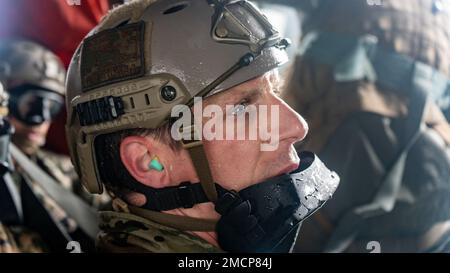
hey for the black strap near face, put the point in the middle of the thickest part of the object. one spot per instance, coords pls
(186, 195)
(257, 223)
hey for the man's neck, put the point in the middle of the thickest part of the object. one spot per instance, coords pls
(200, 211)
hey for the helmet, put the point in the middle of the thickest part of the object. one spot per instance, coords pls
(34, 77)
(26, 62)
(148, 56)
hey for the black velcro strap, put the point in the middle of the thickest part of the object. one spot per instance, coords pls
(227, 201)
(186, 195)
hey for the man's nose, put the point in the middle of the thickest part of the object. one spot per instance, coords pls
(293, 126)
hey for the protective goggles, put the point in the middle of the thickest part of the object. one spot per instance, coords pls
(33, 105)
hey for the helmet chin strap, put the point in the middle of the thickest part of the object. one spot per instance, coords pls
(185, 223)
(187, 194)
(201, 165)
(195, 147)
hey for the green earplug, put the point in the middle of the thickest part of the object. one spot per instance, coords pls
(156, 165)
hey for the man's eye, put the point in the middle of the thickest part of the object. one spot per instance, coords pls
(240, 108)
(277, 92)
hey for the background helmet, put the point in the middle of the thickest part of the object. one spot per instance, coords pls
(25, 62)
(34, 78)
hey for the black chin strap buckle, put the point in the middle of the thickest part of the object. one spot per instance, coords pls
(227, 201)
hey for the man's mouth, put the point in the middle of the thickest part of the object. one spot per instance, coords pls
(290, 168)
(292, 162)
(34, 136)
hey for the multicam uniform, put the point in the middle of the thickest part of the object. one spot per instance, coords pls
(18, 239)
(126, 232)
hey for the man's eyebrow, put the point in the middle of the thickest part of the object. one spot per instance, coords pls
(249, 94)
(276, 90)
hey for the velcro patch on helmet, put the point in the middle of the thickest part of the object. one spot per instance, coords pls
(113, 55)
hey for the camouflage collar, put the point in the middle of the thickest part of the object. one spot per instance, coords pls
(125, 231)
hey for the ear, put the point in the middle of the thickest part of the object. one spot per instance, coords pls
(136, 153)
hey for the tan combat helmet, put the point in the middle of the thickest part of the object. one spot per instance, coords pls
(25, 62)
(148, 56)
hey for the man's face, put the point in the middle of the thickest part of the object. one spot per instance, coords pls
(235, 163)
(239, 163)
(31, 110)
(29, 138)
